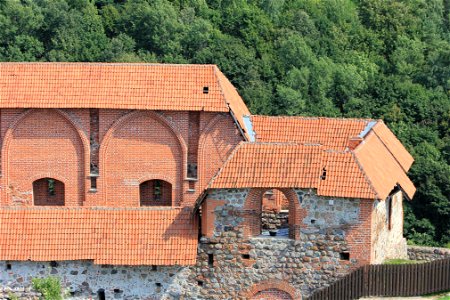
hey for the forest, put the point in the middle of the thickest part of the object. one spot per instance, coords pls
(383, 59)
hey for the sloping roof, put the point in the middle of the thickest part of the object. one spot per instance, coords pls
(270, 165)
(119, 86)
(394, 146)
(107, 236)
(381, 167)
(369, 170)
(289, 165)
(330, 132)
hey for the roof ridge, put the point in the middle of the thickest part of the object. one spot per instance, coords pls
(317, 118)
(106, 64)
(219, 83)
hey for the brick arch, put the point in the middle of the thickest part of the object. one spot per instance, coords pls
(167, 129)
(253, 207)
(272, 286)
(76, 171)
(205, 153)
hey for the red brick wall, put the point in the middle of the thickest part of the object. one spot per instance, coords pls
(358, 236)
(40, 144)
(139, 148)
(219, 137)
(147, 145)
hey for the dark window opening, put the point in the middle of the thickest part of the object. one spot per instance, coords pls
(157, 190)
(192, 170)
(210, 260)
(155, 193)
(158, 284)
(8, 266)
(344, 256)
(313, 221)
(94, 139)
(246, 256)
(93, 183)
(48, 191)
(194, 133)
(205, 89)
(154, 268)
(101, 294)
(199, 282)
(51, 187)
(389, 212)
(54, 264)
(118, 291)
(227, 228)
(324, 174)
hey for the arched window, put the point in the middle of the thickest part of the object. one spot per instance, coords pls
(48, 191)
(155, 192)
(274, 213)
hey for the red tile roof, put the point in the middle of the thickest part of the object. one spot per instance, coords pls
(381, 167)
(270, 165)
(333, 133)
(118, 86)
(393, 145)
(284, 165)
(370, 171)
(107, 236)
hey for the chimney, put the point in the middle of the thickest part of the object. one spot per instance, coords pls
(354, 142)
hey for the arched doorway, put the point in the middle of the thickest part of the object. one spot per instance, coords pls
(259, 203)
(155, 192)
(48, 192)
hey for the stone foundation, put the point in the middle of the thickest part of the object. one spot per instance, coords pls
(83, 279)
(6, 293)
(427, 253)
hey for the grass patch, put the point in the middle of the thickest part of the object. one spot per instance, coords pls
(49, 287)
(401, 261)
(444, 298)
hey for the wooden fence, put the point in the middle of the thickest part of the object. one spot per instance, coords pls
(389, 280)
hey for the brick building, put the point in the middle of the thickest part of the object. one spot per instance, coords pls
(150, 181)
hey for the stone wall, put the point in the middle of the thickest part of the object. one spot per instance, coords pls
(387, 229)
(273, 220)
(6, 293)
(83, 280)
(427, 253)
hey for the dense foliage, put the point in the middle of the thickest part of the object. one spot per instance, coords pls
(362, 58)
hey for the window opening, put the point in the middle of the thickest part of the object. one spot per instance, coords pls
(274, 218)
(210, 260)
(48, 191)
(157, 190)
(344, 256)
(51, 187)
(101, 294)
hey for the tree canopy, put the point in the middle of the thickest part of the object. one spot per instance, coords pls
(340, 58)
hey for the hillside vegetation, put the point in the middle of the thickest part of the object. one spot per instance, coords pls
(362, 58)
